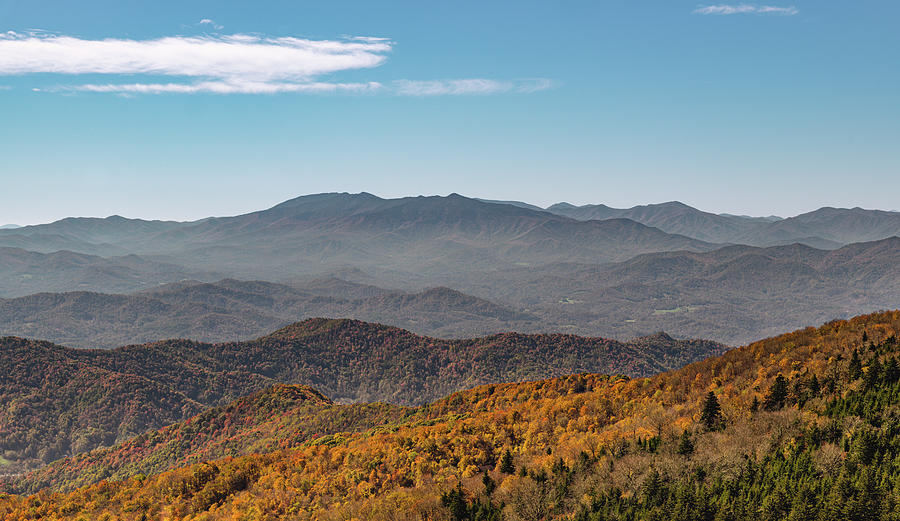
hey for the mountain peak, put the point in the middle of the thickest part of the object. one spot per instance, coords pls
(561, 206)
(658, 337)
(324, 326)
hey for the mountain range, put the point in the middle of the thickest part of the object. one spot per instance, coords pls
(393, 238)
(448, 266)
(825, 228)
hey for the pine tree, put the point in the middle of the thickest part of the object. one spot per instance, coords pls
(814, 386)
(891, 371)
(506, 463)
(777, 394)
(712, 413)
(455, 502)
(489, 484)
(855, 368)
(685, 445)
(873, 374)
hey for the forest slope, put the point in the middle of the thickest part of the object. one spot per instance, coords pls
(63, 401)
(274, 418)
(804, 424)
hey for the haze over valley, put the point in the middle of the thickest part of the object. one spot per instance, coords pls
(447, 266)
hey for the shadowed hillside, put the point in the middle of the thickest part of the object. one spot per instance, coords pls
(63, 401)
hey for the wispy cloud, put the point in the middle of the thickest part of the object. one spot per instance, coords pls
(222, 87)
(474, 86)
(210, 23)
(233, 64)
(724, 9)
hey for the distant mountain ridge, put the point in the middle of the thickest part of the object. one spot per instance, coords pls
(396, 238)
(344, 212)
(827, 228)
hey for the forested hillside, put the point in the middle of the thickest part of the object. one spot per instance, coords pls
(801, 426)
(62, 401)
(275, 418)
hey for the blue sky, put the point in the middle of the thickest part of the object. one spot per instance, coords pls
(141, 109)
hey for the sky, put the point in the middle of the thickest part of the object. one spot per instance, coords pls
(182, 110)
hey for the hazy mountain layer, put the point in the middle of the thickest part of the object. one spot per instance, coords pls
(232, 309)
(391, 238)
(731, 295)
(825, 228)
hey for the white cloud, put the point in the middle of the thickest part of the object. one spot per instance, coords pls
(233, 64)
(473, 86)
(237, 57)
(723, 9)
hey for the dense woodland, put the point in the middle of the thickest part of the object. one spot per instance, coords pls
(61, 402)
(802, 426)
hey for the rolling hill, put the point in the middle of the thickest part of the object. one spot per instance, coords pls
(62, 401)
(24, 272)
(506, 266)
(732, 294)
(232, 309)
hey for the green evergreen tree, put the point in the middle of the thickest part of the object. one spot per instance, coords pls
(455, 501)
(855, 368)
(711, 416)
(777, 394)
(489, 484)
(891, 371)
(685, 444)
(873, 374)
(814, 386)
(506, 463)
